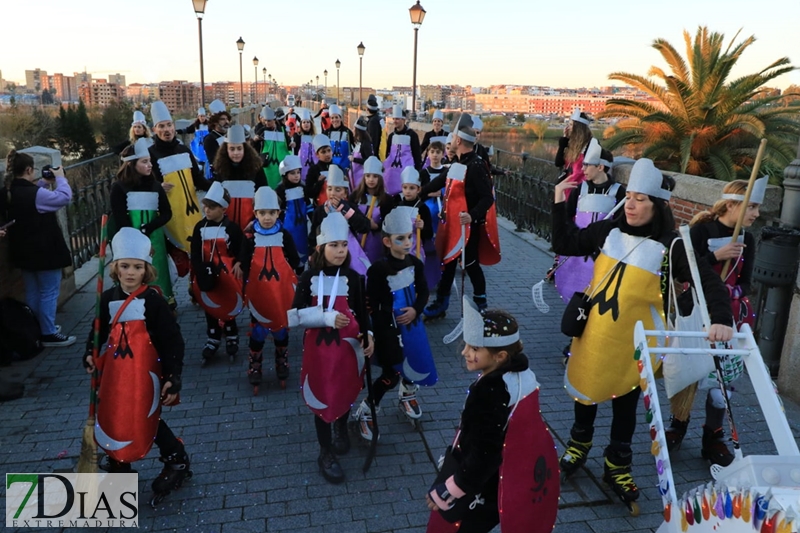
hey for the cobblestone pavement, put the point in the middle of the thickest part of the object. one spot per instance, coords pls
(254, 457)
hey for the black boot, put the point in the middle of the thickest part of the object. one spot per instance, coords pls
(675, 434)
(341, 438)
(714, 448)
(329, 466)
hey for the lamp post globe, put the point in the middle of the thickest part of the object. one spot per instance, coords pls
(338, 64)
(360, 49)
(417, 13)
(240, 46)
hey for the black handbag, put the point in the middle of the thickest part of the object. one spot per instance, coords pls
(461, 507)
(576, 315)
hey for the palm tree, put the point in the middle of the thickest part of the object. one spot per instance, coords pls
(698, 122)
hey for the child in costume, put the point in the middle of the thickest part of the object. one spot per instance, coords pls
(270, 262)
(139, 366)
(372, 200)
(502, 466)
(218, 125)
(274, 146)
(631, 270)
(410, 197)
(238, 167)
(712, 233)
(315, 187)
(303, 142)
(341, 138)
(404, 151)
(139, 201)
(357, 221)
(397, 294)
(291, 198)
(361, 151)
(216, 272)
(437, 134)
(436, 168)
(329, 304)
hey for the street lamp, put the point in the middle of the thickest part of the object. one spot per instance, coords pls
(417, 13)
(255, 88)
(199, 10)
(316, 88)
(325, 73)
(338, 64)
(361, 49)
(240, 46)
(266, 87)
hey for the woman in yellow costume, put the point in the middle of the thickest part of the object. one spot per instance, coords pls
(631, 272)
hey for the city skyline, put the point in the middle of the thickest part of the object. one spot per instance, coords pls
(512, 43)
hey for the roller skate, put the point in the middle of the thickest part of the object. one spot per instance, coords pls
(714, 448)
(364, 421)
(282, 365)
(480, 301)
(232, 346)
(617, 475)
(408, 403)
(254, 371)
(574, 457)
(675, 434)
(341, 437)
(176, 471)
(437, 310)
(329, 466)
(209, 351)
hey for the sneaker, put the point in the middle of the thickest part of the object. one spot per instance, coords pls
(364, 421)
(408, 400)
(57, 339)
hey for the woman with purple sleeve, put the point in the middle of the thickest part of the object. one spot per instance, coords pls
(36, 243)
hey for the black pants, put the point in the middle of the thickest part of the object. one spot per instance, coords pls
(166, 440)
(386, 382)
(623, 422)
(473, 267)
(215, 332)
(324, 432)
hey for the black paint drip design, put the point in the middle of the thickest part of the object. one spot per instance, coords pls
(123, 347)
(188, 193)
(604, 303)
(272, 272)
(397, 163)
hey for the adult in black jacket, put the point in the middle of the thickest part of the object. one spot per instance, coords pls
(165, 144)
(35, 242)
(218, 125)
(374, 127)
(401, 128)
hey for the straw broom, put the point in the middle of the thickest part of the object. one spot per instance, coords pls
(87, 462)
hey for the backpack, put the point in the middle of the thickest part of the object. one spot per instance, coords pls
(19, 329)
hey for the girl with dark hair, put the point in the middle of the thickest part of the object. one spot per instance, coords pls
(237, 166)
(139, 201)
(303, 142)
(35, 242)
(712, 233)
(329, 304)
(502, 466)
(362, 150)
(631, 272)
(371, 198)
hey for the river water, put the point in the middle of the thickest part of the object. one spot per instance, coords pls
(545, 149)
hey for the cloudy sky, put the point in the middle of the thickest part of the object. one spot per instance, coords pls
(575, 43)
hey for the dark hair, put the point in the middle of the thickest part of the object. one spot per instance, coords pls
(578, 140)
(250, 164)
(313, 127)
(362, 136)
(436, 145)
(663, 219)
(127, 174)
(608, 156)
(213, 120)
(317, 260)
(16, 164)
(361, 192)
(498, 315)
(225, 196)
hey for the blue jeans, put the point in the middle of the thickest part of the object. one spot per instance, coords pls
(41, 295)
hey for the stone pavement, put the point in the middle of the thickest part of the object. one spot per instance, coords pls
(254, 457)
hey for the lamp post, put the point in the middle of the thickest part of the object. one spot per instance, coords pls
(266, 87)
(417, 13)
(325, 73)
(255, 87)
(199, 10)
(338, 64)
(240, 46)
(316, 88)
(361, 49)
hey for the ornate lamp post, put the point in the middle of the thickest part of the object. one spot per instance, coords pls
(338, 64)
(417, 16)
(361, 49)
(199, 10)
(240, 46)
(255, 87)
(266, 87)
(325, 73)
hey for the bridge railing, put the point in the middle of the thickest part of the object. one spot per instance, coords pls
(524, 194)
(91, 190)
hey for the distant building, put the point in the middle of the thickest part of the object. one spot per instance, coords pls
(36, 80)
(119, 79)
(141, 93)
(179, 95)
(65, 86)
(100, 93)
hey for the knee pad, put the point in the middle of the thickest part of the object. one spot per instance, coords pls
(258, 333)
(715, 398)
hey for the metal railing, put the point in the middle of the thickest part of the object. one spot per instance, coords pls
(91, 191)
(525, 194)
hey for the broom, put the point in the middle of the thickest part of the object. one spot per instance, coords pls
(87, 462)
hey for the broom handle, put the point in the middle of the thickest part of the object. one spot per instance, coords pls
(96, 324)
(419, 240)
(756, 166)
(369, 216)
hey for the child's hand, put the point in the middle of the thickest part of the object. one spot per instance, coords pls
(419, 223)
(341, 321)
(237, 271)
(408, 316)
(732, 250)
(561, 188)
(167, 399)
(167, 186)
(370, 347)
(88, 363)
(432, 506)
(373, 225)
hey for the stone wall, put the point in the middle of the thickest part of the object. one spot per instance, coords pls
(10, 277)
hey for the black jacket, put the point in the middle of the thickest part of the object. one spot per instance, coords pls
(162, 326)
(35, 241)
(161, 149)
(379, 301)
(211, 146)
(415, 149)
(426, 140)
(477, 186)
(700, 234)
(568, 239)
(375, 130)
(424, 213)
(358, 221)
(119, 204)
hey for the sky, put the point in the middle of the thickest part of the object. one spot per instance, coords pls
(466, 42)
